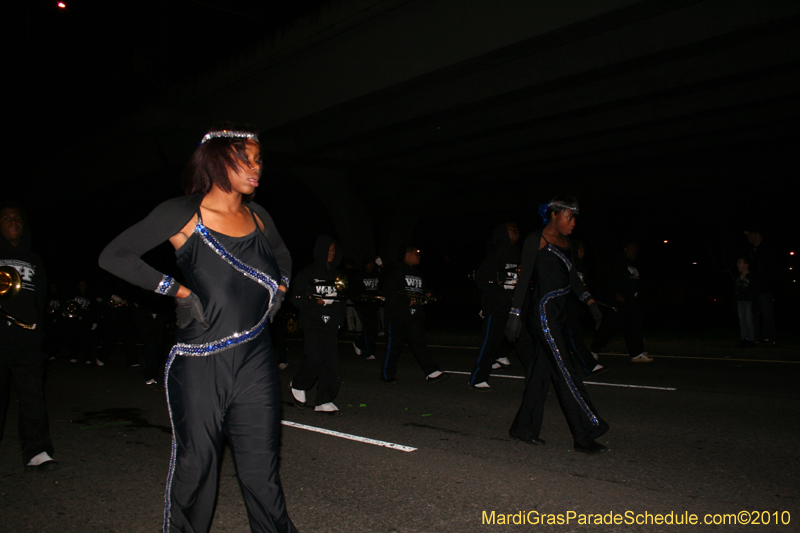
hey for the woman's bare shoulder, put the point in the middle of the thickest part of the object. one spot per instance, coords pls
(180, 238)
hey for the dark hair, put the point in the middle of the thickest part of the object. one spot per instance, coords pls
(212, 160)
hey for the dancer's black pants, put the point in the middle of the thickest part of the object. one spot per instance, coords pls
(232, 394)
(556, 365)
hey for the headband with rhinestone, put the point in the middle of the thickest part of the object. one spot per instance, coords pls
(230, 134)
(544, 207)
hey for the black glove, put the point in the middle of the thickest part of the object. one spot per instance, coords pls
(597, 314)
(513, 328)
(189, 309)
(277, 300)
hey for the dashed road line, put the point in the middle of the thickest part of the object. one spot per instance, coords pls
(347, 436)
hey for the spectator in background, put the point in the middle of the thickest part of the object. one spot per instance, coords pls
(745, 294)
(762, 264)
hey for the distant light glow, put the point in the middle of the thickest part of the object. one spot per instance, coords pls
(791, 253)
(665, 241)
(62, 5)
(694, 262)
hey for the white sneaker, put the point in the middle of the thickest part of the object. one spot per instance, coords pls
(73, 360)
(641, 358)
(39, 459)
(597, 368)
(87, 362)
(596, 356)
(283, 366)
(299, 395)
(358, 351)
(504, 361)
(327, 408)
(99, 362)
(482, 385)
(497, 366)
(370, 358)
(150, 382)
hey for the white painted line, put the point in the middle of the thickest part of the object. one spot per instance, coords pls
(492, 375)
(356, 438)
(628, 386)
(586, 382)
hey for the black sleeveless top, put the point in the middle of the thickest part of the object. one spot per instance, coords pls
(234, 277)
(553, 267)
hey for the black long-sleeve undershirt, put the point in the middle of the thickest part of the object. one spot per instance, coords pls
(123, 256)
(529, 252)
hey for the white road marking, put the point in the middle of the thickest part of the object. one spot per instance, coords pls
(356, 438)
(628, 386)
(492, 375)
(586, 382)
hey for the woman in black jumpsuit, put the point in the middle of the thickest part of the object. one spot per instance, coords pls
(221, 377)
(547, 259)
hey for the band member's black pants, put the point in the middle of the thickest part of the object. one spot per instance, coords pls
(399, 334)
(321, 364)
(22, 359)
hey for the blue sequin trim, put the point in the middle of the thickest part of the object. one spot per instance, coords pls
(585, 296)
(222, 344)
(514, 311)
(171, 472)
(560, 255)
(165, 285)
(253, 273)
(554, 348)
(285, 281)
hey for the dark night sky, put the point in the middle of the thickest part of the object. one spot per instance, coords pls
(97, 60)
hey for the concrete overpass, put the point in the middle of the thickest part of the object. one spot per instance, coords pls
(388, 109)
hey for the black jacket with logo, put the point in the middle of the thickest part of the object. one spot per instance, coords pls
(402, 282)
(29, 304)
(497, 275)
(317, 282)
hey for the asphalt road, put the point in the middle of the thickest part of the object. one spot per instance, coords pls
(715, 435)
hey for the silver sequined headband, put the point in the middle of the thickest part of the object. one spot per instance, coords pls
(230, 134)
(564, 207)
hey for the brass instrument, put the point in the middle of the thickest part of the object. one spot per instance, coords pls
(116, 301)
(508, 277)
(71, 309)
(421, 299)
(337, 288)
(369, 298)
(10, 285)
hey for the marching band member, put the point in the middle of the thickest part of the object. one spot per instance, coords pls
(322, 312)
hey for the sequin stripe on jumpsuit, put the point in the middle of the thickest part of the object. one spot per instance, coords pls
(226, 386)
